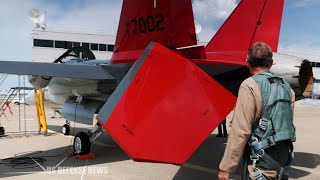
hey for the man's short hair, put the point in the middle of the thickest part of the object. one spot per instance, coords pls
(260, 55)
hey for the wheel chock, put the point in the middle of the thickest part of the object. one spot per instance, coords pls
(86, 156)
(82, 156)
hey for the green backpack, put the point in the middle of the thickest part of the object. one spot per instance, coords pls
(272, 136)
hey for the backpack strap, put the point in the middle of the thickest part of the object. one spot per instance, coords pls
(257, 153)
(264, 120)
(258, 147)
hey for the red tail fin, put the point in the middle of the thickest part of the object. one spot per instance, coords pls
(251, 21)
(167, 22)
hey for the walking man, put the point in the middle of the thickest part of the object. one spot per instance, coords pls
(262, 121)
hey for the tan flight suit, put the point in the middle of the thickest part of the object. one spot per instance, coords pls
(247, 111)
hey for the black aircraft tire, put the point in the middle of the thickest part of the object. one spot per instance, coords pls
(2, 131)
(81, 143)
(65, 129)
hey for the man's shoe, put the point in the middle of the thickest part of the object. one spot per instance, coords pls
(219, 135)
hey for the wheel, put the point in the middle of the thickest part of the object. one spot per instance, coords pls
(65, 129)
(81, 143)
(2, 131)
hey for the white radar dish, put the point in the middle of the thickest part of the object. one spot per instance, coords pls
(198, 27)
(37, 15)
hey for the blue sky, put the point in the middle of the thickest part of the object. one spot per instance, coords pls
(299, 32)
(300, 24)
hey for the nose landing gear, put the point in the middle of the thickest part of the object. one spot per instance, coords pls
(66, 129)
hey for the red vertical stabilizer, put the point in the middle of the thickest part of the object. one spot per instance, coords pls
(167, 22)
(251, 21)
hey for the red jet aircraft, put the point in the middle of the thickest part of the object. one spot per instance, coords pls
(174, 96)
(167, 94)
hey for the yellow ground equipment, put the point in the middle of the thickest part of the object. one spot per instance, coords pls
(42, 121)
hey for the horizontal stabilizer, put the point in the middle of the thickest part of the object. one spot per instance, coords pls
(61, 70)
(164, 108)
(225, 57)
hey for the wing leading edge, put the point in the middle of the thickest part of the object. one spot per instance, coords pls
(75, 71)
(164, 108)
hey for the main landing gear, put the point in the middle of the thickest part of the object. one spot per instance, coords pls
(82, 141)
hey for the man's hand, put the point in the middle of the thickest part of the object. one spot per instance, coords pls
(223, 175)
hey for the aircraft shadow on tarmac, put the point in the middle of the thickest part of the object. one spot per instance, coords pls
(105, 149)
(203, 164)
(302, 159)
(208, 155)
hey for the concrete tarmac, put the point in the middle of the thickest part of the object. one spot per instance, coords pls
(113, 163)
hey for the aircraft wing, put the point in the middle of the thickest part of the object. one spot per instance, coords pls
(164, 108)
(62, 70)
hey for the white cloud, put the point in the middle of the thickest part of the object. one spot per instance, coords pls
(211, 14)
(304, 48)
(303, 3)
(15, 35)
(15, 30)
(93, 16)
(101, 16)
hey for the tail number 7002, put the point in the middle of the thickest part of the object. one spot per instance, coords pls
(145, 24)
